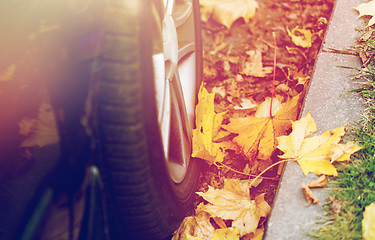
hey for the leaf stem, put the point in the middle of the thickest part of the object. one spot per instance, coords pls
(268, 168)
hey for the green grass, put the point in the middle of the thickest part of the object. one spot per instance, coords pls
(355, 184)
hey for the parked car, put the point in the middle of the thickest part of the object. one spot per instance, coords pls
(121, 77)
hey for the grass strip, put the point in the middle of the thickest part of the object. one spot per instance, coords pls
(354, 188)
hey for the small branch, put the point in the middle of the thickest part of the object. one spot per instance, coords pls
(246, 174)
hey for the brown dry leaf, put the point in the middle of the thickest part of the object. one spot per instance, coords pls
(313, 154)
(283, 89)
(300, 37)
(257, 236)
(336, 205)
(367, 9)
(310, 198)
(300, 78)
(218, 48)
(321, 181)
(41, 131)
(220, 91)
(220, 222)
(366, 35)
(207, 127)
(228, 11)
(233, 203)
(257, 135)
(254, 66)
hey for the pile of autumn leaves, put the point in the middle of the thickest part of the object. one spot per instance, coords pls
(230, 212)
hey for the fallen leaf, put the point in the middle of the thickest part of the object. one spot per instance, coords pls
(218, 48)
(207, 126)
(366, 35)
(186, 229)
(233, 203)
(300, 78)
(41, 131)
(310, 198)
(254, 66)
(367, 9)
(257, 135)
(321, 181)
(257, 236)
(313, 154)
(342, 152)
(220, 91)
(246, 104)
(231, 233)
(336, 205)
(368, 222)
(195, 227)
(204, 228)
(8, 73)
(300, 37)
(228, 11)
(284, 89)
(220, 222)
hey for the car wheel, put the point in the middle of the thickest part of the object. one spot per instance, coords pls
(150, 70)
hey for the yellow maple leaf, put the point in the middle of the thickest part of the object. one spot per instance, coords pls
(233, 202)
(207, 127)
(368, 222)
(257, 135)
(300, 37)
(228, 11)
(314, 153)
(231, 233)
(254, 65)
(367, 9)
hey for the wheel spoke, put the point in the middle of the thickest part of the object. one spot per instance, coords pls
(180, 136)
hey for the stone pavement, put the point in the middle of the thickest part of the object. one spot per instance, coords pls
(291, 216)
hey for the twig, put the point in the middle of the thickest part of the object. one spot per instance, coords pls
(246, 174)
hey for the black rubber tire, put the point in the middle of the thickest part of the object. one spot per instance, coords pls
(144, 202)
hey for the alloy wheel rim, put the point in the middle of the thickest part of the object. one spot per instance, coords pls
(174, 64)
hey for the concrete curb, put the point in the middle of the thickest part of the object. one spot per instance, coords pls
(291, 217)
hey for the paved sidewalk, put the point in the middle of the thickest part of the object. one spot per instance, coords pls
(291, 216)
